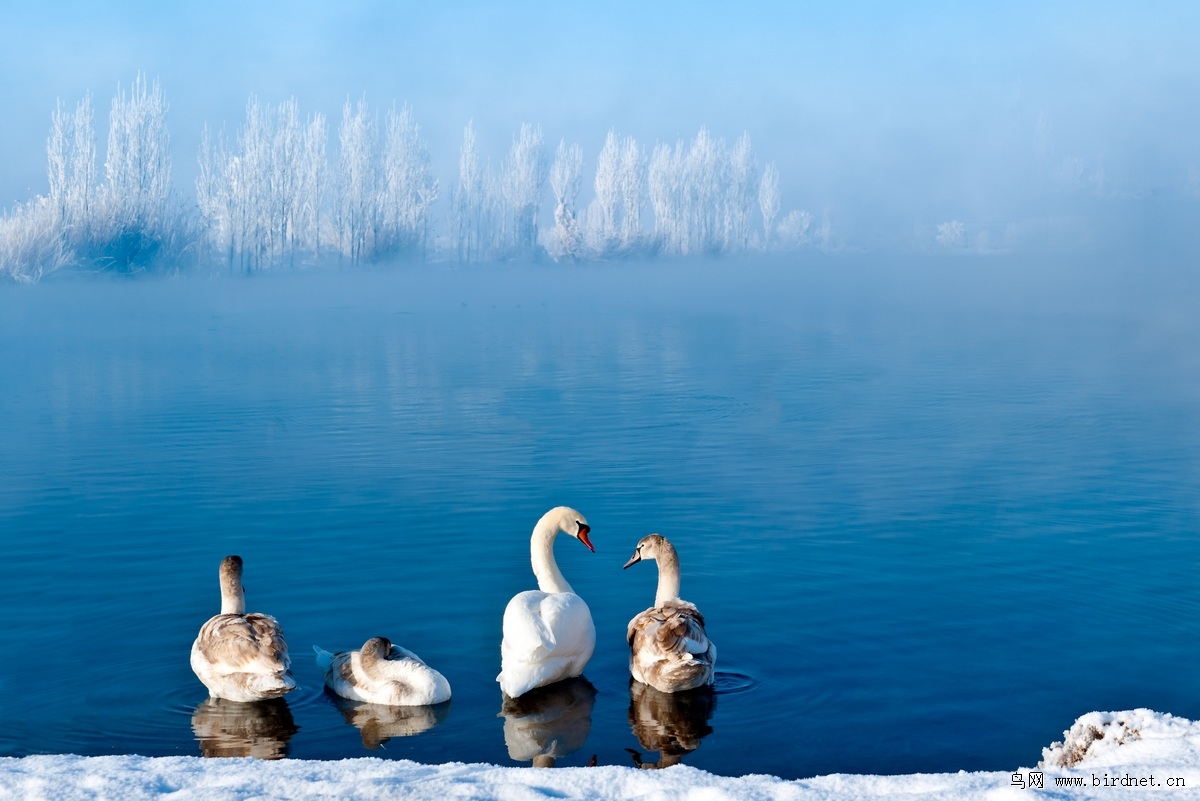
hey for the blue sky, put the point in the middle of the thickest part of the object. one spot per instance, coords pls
(887, 114)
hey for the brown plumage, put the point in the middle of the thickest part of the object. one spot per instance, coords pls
(668, 646)
(241, 640)
(239, 656)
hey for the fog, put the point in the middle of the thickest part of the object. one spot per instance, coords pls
(1069, 126)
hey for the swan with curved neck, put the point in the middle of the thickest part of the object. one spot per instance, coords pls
(548, 632)
(668, 646)
(239, 656)
(382, 673)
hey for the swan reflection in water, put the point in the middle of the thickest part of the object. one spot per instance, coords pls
(379, 723)
(259, 729)
(673, 724)
(549, 722)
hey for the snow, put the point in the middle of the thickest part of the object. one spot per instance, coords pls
(1108, 751)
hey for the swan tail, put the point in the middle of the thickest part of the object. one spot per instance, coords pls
(324, 659)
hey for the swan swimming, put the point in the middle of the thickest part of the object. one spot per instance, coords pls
(668, 647)
(239, 656)
(382, 673)
(548, 632)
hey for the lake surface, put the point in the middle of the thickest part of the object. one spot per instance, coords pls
(933, 510)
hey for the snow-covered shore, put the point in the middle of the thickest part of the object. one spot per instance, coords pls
(1137, 753)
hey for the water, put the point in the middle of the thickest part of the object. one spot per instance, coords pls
(932, 511)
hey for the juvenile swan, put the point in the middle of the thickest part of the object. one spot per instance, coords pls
(237, 656)
(548, 632)
(382, 673)
(668, 647)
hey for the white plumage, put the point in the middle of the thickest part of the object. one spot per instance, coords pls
(548, 633)
(382, 673)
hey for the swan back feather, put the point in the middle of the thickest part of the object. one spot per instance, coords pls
(237, 656)
(548, 637)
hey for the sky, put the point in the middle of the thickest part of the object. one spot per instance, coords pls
(888, 117)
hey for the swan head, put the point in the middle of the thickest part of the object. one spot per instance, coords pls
(231, 568)
(374, 651)
(650, 546)
(378, 647)
(569, 521)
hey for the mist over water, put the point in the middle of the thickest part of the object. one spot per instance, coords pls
(932, 509)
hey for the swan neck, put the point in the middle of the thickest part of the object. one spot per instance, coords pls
(233, 597)
(541, 554)
(668, 577)
(369, 658)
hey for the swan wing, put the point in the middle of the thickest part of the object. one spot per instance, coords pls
(408, 681)
(242, 658)
(243, 644)
(669, 648)
(547, 637)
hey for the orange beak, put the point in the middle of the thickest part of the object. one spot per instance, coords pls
(583, 537)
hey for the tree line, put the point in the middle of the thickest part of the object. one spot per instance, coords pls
(270, 195)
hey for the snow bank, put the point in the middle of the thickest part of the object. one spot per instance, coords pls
(1119, 739)
(1108, 752)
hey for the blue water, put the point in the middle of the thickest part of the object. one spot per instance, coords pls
(932, 510)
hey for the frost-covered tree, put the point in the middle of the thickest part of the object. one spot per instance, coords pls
(260, 203)
(608, 189)
(284, 216)
(58, 155)
(267, 195)
(252, 171)
(137, 163)
(664, 184)
(703, 194)
(524, 177)
(740, 194)
(705, 175)
(794, 228)
(633, 191)
(407, 187)
(355, 203)
(951, 234)
(214, 194)
(122, 221)
(566, 178)
(311, 177)
(32, 242)
(768, 200)
(469, 198)
(71, 170)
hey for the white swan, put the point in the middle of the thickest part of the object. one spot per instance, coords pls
(237, 656)
(668, 647)
(548, 632)
(382, 673)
